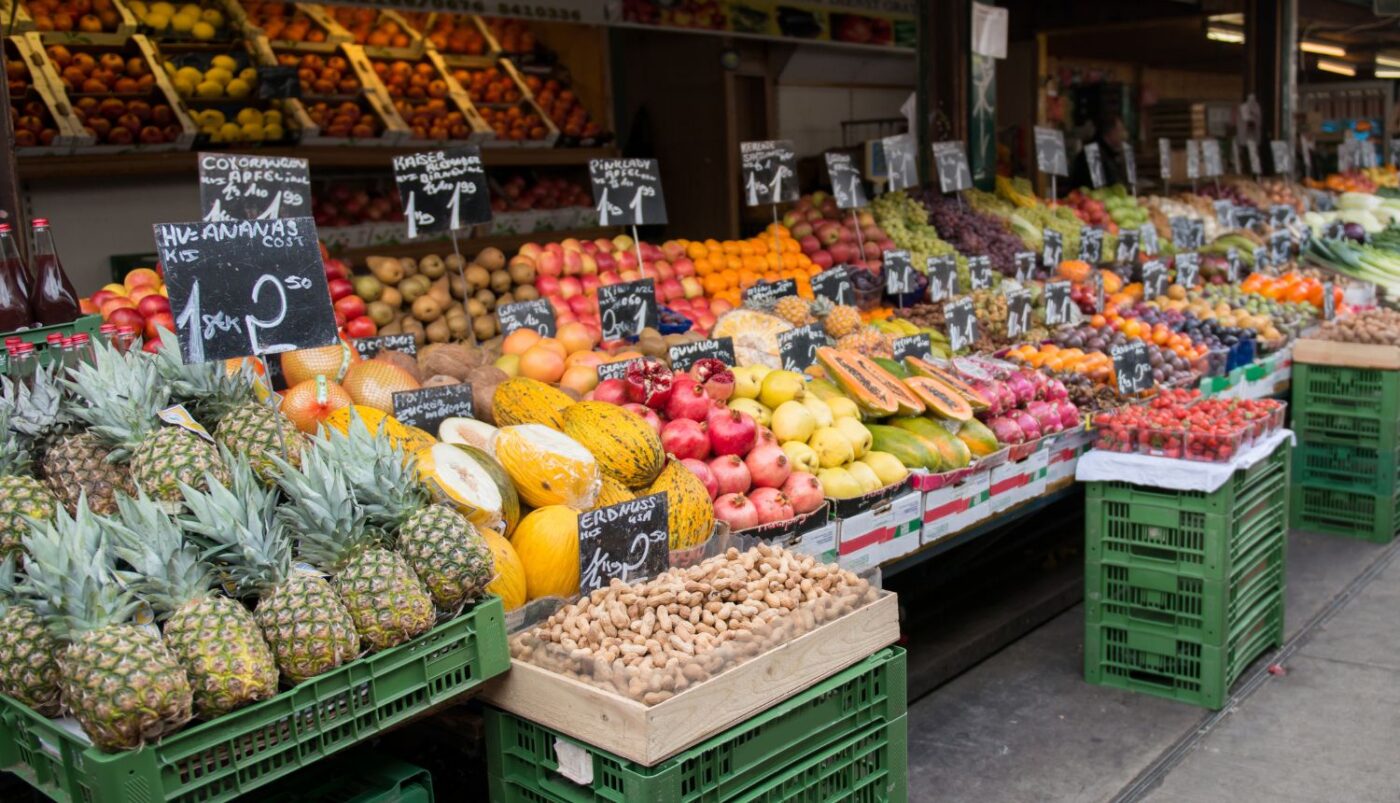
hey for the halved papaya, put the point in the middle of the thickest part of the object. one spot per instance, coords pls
(897, 370)
(941, 399)
(867, 384)
(922, 367)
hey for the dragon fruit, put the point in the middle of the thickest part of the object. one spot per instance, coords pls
(1046, 414)
(1029, 426)
(1021, 387)
(1039, 380)
(1069, 414)
(1055, 391)
(1007, 430)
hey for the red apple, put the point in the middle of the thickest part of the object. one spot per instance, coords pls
(684, 267)
(809, 244)
(580, 305)
(605, 261)
(547, 285)
(102, 297)
(158, 321)
(590, 284)
(629, 275)
(361, 326)
(573, 262)
(608, 278)
(531, 250)
(340, 288)
(335, 269)
(126, 316)
(153, 304)
(550, 263)
(351, 306)
(569, 287)
(664, 269)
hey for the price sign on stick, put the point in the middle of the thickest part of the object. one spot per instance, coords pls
(899, 272)
(627, 192)
(537, 314)
(279, 82)
(1052, 249)
(1025, 266)
(942, 278)
(1133, 367)
(1329, 302)
(1164, 156)
(369, 347)
(979, 272)
(626, 309)
(629, 541)
(1057, 303)
(846, 184)
(798, 346)
(443, 190)
(1193, 159)
(769, 170)
(950, 159)
(615, 370)
(1154, 279)
(1212, 166)
(1280, 247)
(1232, 265)
(770, 291)
(247, 287)
(685, 355)
(834, 284)
(1282, 157)
(427, 408)
(1260, 256)
(1050, 151)
(1148, 234)
(1251, 149)
(1181, 232)
(1091, 245)
(912, 346)
(235, 186)
(1130, 166)
(1018, 314)
(1126, 251)
(1095, 161)
(901, 161)
(1188, 265)
(962, 323)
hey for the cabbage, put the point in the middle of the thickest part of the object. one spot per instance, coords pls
(1357, 201)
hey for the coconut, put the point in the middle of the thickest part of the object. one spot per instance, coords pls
(401, 360)
(447, 359)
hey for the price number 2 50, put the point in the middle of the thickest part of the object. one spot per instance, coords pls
(203, 326)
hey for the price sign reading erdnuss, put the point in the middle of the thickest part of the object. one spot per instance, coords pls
(770, 291)
(912, 346)
(1025, 266)
(798, 347)
(1057, 303)
(899, 272)
(1091, 245)
(950, 159)
(629, 541)
(942, 278)
(1154, 279)
(1018, 314)
(1126, 251)
(1052, 249)
(235, 186)
(537, 314)
(834, 284)
(1050, 151)
(1188, 265)
(769, 170)
(442, 190)
(685, 355)
(979, 272)
(246, 287)
(962, 323)
(627, 192)
(845, 181)
(628, 308)
(1094, 158)
(901, 161)
(1134, 368)
(427, 408)
(368, 347)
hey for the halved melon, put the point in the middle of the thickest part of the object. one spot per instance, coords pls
(467, 431)
(922, 367)
(510, 500)
(871, 387)
(941, 399)
(461, 480)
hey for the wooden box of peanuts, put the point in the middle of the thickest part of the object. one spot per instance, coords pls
(647, 670)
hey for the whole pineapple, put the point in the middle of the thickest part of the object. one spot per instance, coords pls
(794, 310)
(42, 411)
(301, 618)
(121, 395)
(213, 637)
(386, 600)
(118, 679)
(866, 341)
(441, 546)
(22, 496)
(842, 321)
(28, 662)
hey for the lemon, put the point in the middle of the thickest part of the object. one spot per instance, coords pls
(190, 74)
(169, 67)
(138, 8)
(238, 88)
(190, 10)
(157, 22)
(230, 132)
(183, 86)
(181, 23)
(210, 89)
(249, 115)
(272, 132)
(163, 8)
(212, 16)
(272, 116)
(224, 62)
(202, 31)
(218, 75)
(209, 118)
(253, 132)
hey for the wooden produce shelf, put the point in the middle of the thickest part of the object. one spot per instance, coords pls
(509, 243)
(145, 165)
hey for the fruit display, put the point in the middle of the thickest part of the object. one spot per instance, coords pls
(1179, 424)
(452, 34)
(563, 107)
(521, 193)
(375, 28)
(437, 298)
(118, 96)
(189, 22)
(1377, 326)
(73, 16)
(503, 103)
(335, 98)
(34, 123)
(830, 236)
(906, 221)
(139, 303)
(219, 92)
(341, 204)
(285, 23)
(422, 97)
(512, 35)
(1122, 209)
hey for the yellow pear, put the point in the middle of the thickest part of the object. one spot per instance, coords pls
(792, 421)
(802, 457)
(856, 433)
(837, 483)
(842, 407)
(865, 475)
(833, 448)
(748, 380)
(781, 386)
(755, 410)
(886, 466)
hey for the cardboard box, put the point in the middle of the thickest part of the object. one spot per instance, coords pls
(819, 542)
(886, 531)
(1015, 482)
(953, 508)
(1063, 456)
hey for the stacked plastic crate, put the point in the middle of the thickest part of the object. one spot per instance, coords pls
(1184, 589)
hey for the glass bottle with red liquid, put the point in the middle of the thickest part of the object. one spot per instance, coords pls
(52, 298)
(14, 285)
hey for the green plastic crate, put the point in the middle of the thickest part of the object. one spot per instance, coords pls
(265, 742)
(363, 777)
(1355, 391)
(87, 324)
(1358, 468)
(1342, 511)
(520, 754)
(1175, 604)
(1239, 492)
(1180, 668)
(1321, 423)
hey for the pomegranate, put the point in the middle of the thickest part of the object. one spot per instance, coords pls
(731, 432)
(737, 511)
(688, 400)
(648, 415)
(717, 378)
(804, 491)
(731, 474)
(702, 471)
(685, 439)
(772, 505)
(763, 436)
(768, 465)
(649, 382)
(612, 391)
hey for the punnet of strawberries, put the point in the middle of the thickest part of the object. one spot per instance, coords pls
(1180, 424)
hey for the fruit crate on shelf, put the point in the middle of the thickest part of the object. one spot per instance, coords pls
(463, 39)
(117, 24)
(1367, 516)
(361, 777)
(862, 706)
(257, 120)
(39, 335)
(265, 742)
(39, 94)
(299, 27)
(519, 103)
(320, 112)
(416, 112)
(383, 33)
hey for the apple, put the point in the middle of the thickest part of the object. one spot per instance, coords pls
(605, 246)
(840, 252)
(590, 284)
(559, 304)
(547, 285)
(554, 248)
(829, 233)
(102, 297)
(684, 267)
(605, 262)
(351, 306)
(626, 259)
(340, 288)
(590, 247)
(335, 269)
(706, 321)
(809, 244)
(648, 271)
(692, 287)
(573, 262)
(569, 287)
(663, 269)
(673, 250)
(565, 315)
(719, 306)
(363, 326)
(803, 229)
(158, 321)
(865, 218)
(580, 305)
(629, 275)
(813, 215)
(571, 244)
(669, 289)
(594, 329)
(791, 218)
(847, 234)
(609, 278)
(153, 304)
(622, 243)
(531, 250)
(822, 259)
(550, 264)
(127, 316)
(872, 249)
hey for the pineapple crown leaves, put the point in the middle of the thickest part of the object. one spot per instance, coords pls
(119, 395)
(14, 447)
(169, 571)
(9, 582)
(382, 476)
(40, 407)
(210, 389)
(237, 524)
(69, 575)
(321, 509)
(821, 307)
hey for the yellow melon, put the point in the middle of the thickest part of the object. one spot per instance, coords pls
(509, 583)
(547, 544)
(547, 467)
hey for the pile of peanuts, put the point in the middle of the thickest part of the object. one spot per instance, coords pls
(653, 640)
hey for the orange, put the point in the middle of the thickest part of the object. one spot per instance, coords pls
(519, 341)
(543, 363)
(553, 345)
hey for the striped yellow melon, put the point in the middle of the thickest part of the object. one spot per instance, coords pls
(547, 466)
(529, 401)
(691, 514)
(547, 543)
(509, 583)
(626, 447)
(611, 492)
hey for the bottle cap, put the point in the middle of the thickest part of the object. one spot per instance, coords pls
(107, 329)
(4, 227)
(55, 338)
(40, 222)
(13, 341)
(81, 339)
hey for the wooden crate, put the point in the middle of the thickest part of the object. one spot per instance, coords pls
(457, 100)
(526, 103)
(1350, 355)
(485, 59)
(46, 87)
(126, 26)
(648, 734)
(335, 35)
(246, 54)
(371, 98)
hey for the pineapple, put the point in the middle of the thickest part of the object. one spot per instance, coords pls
(821, 307)
(842, 321)
(302, 619)
(213, 637)
(70, 462)
(441, 546)
(122, 393)
(386, 600)
(28, 666)
(866, 341)
(223, 400)
(117, 678)
(794, 310)
(21, 496)
(42, 414)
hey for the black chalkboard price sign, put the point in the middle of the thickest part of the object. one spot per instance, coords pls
(1126, 250)
(1329, 302)
(442, 190)
(1251, 149)
(427, 408)
(1052, 251)
(1025, 266)
(1280, 215)
(770, 291)
(798, 346)
(276, 83)
(245, 287)
(627, 191)
(629, 541)
(1095, 161)
(1133, 367)
(537, 314)
(1188, 266)
(1193, 159)
(1282, 156)
(614, 370)
(234, 186)
(1130, 166)
(1147, 233)
(626, 309)
(912, 346)
(368, 347)
(1057, 303)
(1154, 279)
(1091, 245)
(1096, 279)
(901, 161)
(1333, 231)
(846, 183)
(685, 355)
(1260, 256)
(962, 323)
(1164, 159)
(1232, 265)
(979, 272)
(1018, 314)
(1181, 232)
(950, 159)
(834, 284)
(1212, 165)
(1050, 151)
(770, 171)
(1280, 247)
(942, 278)
(899, 272)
